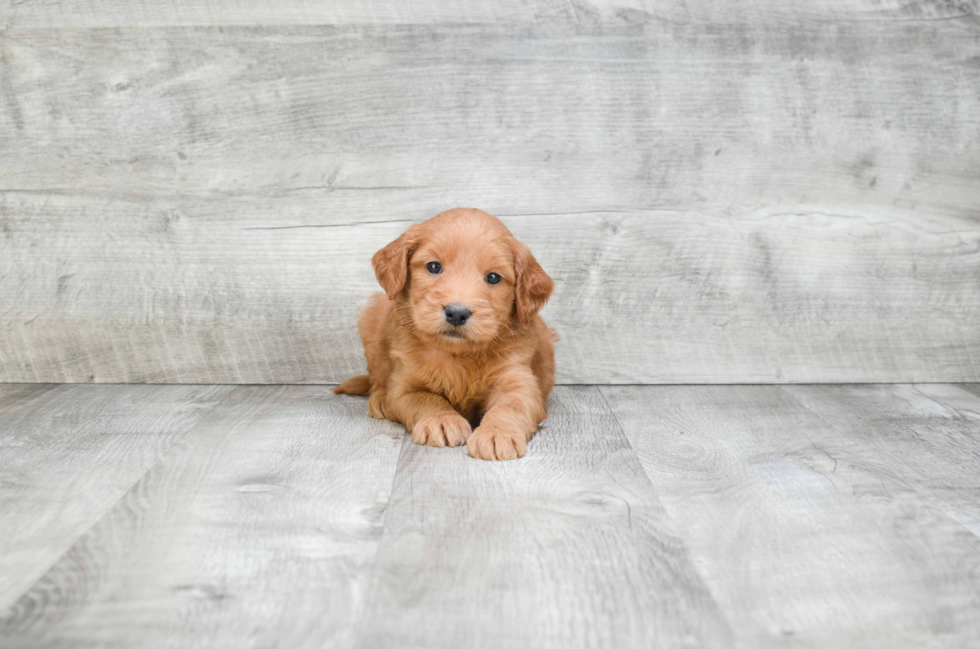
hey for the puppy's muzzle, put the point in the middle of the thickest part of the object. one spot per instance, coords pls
(457, 314)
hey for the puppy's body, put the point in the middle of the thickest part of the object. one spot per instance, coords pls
(463, 379)
(439, 375)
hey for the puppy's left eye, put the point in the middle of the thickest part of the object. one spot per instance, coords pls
(492, 278)
(434, 267)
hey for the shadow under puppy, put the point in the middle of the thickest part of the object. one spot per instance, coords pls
(457, 342)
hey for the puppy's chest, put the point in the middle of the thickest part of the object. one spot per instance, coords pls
(462, 380)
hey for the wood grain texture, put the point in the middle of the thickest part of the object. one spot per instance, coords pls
(810, 534)
(284, 516)
(661, 297)
(568, 547)
(259, 528)
(68, 453)
(398, 121)
(927, 435)
(120, 13)
(748, 204)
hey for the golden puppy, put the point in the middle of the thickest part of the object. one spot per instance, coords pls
(457, 341)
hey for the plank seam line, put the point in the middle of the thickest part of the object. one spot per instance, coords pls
(111, 507)
(918, 19)
(706, 583)
(622, 430)
(629, 444)
(325, 225)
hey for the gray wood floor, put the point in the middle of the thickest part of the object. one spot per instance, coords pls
(695, 516)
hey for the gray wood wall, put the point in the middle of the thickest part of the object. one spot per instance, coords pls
(755, 191)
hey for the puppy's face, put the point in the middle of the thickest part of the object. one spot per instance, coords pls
(465, 278)
(461, 282)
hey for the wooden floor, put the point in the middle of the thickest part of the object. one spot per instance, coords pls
(695, 516)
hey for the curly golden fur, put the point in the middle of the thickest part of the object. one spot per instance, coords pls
(483, 382)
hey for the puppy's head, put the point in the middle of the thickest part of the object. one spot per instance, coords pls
(466, 279)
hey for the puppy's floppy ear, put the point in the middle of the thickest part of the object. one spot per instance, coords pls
(533, 287)
(391, 262)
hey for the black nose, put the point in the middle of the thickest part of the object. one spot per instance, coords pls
(457, 314)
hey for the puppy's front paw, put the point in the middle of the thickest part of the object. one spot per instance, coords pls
(376, 404)
(491, 443)
(441, 429)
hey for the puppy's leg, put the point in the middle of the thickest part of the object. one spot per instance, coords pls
(430, 418)
(376, 404)
(515, 407)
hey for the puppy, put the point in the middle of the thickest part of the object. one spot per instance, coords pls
(456, 350)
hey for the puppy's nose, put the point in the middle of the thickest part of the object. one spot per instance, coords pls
(457, 314)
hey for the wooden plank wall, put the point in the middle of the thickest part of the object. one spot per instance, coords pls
(724, 192)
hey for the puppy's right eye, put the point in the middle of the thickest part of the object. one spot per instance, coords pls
(434, 267)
